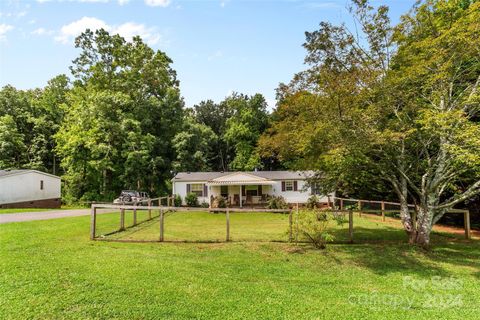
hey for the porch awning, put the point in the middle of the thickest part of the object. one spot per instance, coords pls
(239, 178)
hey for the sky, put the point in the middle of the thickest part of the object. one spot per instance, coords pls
(217, 46)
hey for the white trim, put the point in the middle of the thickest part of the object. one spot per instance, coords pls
(29, 171)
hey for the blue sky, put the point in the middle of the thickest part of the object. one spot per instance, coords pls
(217, 46)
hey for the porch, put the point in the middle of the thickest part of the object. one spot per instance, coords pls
(241, 190)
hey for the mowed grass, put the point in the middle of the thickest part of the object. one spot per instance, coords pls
(51, 270)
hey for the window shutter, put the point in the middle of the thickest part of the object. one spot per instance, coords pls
(260, 190)
(243, 191)
(283, 185)
(312, 188)
(188, 188)
(205, 190)
(295, 185)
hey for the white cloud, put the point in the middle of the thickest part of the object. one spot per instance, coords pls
(4, 28)
(130, 29)
(127, 30)
(157, 3)
(122, 2)
(70, 31)
(42, 32)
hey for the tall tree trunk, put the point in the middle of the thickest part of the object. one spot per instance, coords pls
(405, 215)
(424, 226)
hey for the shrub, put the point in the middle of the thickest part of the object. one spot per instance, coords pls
(277, 203)
(312, 225)
(219, 202)
(177, 200)
(192, 200)
(312, 202)
(204, 204)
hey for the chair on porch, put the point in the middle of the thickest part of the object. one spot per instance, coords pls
(248, 201)
(236, 199)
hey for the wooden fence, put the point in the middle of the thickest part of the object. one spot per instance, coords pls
(360, 204)
(163, 209)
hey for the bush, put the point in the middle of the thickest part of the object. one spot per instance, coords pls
(204, 204)
(277, 203)
(312, 202)
(177, 200)
(192, 200)
(219, 202)
(312, 225)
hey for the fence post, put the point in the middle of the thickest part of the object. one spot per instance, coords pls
(228, 224)
(383, 211)
(93, 221)
(341, 204)
(135, 215)
(350, 225)
(466, 218)
(296, 225)
(359, 208)
(161, 225)
(290, 222)
(149, 210)
(122, 219)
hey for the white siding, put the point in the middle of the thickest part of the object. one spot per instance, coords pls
(180, 188)
(26, 187)
(299, 196)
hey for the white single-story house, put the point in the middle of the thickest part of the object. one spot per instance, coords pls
(29, 189)
(252, 187)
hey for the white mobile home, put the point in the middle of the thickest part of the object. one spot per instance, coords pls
(253, 188)
(29, 189)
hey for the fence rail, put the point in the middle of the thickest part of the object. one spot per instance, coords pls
(164, 209)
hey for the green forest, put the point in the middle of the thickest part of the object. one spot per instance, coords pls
(383, 110)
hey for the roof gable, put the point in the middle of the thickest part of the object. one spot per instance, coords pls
(238, 176)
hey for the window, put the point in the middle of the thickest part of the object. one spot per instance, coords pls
(197, 188)
(41, 184)
(288, 185)
(315, 188)
(252, 190)
(224, 191)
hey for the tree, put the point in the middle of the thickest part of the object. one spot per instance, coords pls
(194, 147)
(215, 116)
(123, 112)
(12, 147)
(248, 122)
(404, 116)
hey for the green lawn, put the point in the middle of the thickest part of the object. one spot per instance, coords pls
(51, 270)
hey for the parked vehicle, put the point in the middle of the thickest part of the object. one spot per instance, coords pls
(131, 196)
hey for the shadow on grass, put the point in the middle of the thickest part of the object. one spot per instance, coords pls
(385, 251)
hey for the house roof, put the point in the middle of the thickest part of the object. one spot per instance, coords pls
(267, 175)
(6, 173)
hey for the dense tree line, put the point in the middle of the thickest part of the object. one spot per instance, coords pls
(120, 122)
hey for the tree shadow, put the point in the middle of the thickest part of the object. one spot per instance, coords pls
(386, 251)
